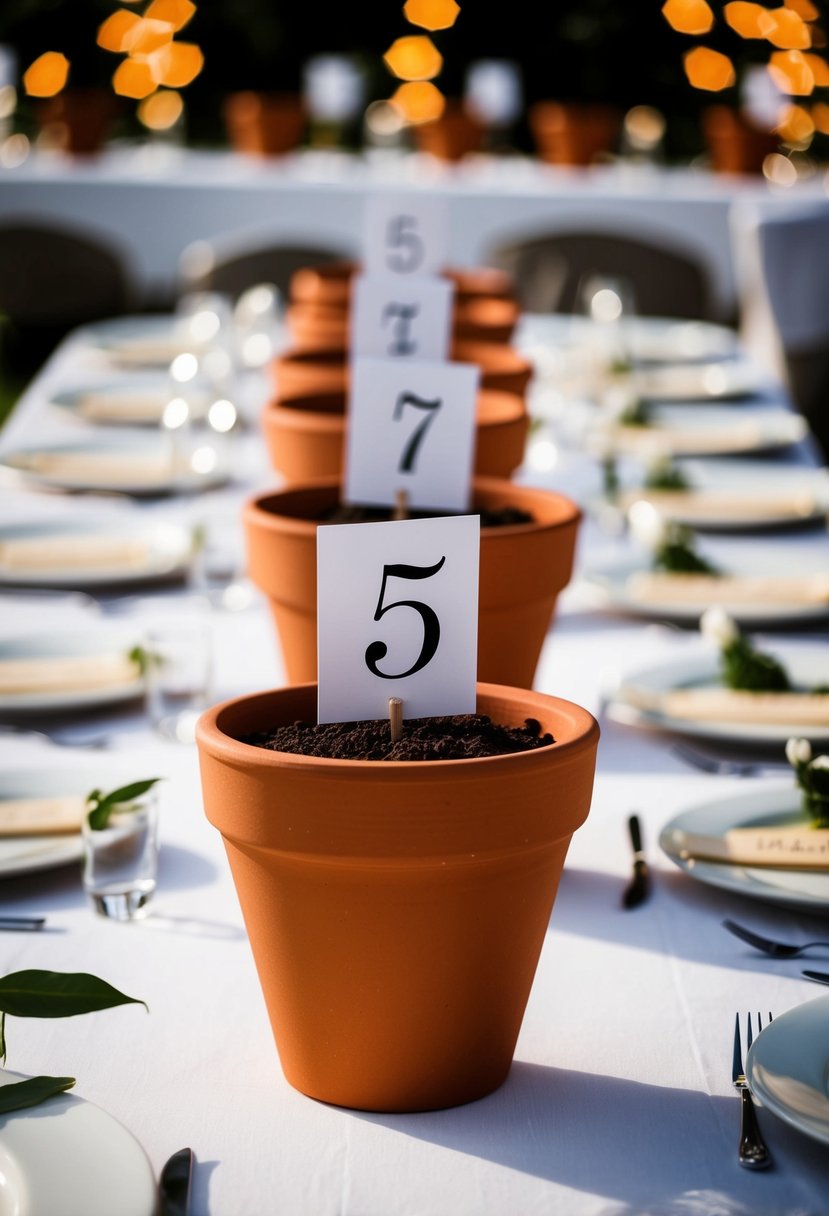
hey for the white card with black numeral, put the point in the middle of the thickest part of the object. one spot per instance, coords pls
(405, 234)
(396, 319)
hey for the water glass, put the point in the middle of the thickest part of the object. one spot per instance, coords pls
(120, 860)
(179, 671)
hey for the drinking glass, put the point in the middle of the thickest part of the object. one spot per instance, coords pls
(120, 860)
(179, 671)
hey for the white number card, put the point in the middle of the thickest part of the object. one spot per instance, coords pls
(405, 234)
(401, 320)
(411, 426)
(397, 612)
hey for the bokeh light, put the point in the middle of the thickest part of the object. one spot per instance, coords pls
(789, 31)
(796, 126)
(791, 73)
(161, 110)
(820, 117)
(146, 36)
(47, 75)
(819, 69)
(175, 12)
(133, 78)
(414, 57)
(779, 170)
(418, 102)
(688, 16)
(748, 20)
(113, 31)
(176, 64)
(431, 14)
(709, 70)
(804, 9)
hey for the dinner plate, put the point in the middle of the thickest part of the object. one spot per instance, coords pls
(771, 803)
(807, 665)
(140, 464)
(787, 1068)
(69, 1156)
(130, 401)
(143, 341)
(107, 552)
(649, 339)
(683, 430)
(740, 495)
(711, 380)
(100, 643)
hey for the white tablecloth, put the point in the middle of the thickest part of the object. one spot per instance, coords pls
(620, 1098)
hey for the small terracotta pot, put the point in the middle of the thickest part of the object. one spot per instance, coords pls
(79, 119)
(264, 124)
(475, 319)
(523, 567)
(573, 134)
(330, 285)
(452, 136)
(305, 435)
(396, 910)
(735, 145)
(326, 371)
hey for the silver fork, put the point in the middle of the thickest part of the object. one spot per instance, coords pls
(753, 1152)
(773, 948)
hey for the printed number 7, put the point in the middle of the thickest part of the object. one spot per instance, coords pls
(431, 624)
(407, 460)
(405, 246)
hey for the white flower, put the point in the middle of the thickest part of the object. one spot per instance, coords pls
(820, 762)
(716, 625)
(647, 525)
(799, 751)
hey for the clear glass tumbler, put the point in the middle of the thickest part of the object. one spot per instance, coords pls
(121, 859)
(179, 671)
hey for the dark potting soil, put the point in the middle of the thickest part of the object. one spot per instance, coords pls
(347, 513)
(462, 737)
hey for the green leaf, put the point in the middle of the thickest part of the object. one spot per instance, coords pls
(20, 1094)
(140, 656)
(102, 805)
(2, 1037)
(752, 670)
(58, 994)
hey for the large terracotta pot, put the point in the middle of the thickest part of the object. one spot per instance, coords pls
(305, 435)
(330, 285)
(573, 134)
(325, 371)
(475, 319)
(523, 568)
(735, 144)
(264, 124)
(396, 910)
(452, 136)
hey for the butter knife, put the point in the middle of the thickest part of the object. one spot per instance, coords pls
(174, 1184)
(639, 887)
(820, 977)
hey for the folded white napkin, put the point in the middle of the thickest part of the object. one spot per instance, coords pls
(89, 467)
(795, 709)
(675, 440)
(68, 551)
(41, 816)
(725, 504)
(73, 673)
(662, 587)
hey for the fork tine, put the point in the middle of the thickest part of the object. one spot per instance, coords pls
(749, 1035)
(737, 1058)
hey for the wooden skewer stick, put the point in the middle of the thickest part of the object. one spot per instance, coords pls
(396, 718)
(401, 504)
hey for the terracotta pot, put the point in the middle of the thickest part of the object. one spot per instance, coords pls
(475, 319)
(452, 136)
(305, 435)
(396, 910)
(572, 134)
(523, 568)
(326, 371)
(264, 124)
(330, 285)
(78, 120)
(735, 145)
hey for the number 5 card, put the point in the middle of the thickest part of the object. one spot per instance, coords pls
(397, 613)
(411, 426)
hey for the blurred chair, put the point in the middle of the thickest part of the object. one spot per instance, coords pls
(230, 266)
(549, 272)
(783, 274)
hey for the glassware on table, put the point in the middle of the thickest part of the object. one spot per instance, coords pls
(178, 676)
(121, 859)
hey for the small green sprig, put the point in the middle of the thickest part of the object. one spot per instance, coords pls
(742, 666)
(812, 775)
(664, 474)
(140, 656)
(637, 413)
(677, 555)
(100, 806)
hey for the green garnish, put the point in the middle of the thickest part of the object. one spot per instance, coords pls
(637, 413)
(100, 806)
(812, 774)
(665, 475)
(140, 656)
(676, 553)
(744, 667)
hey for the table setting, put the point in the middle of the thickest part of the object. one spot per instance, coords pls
(164, 608)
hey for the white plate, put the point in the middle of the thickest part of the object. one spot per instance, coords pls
(130, 401)
(650, 339)
(69, 1156)
(806, 664)
(683, 430)
(714, 380)
(142, 341)
(138, 464)
(772, 803)
(97, 642)
(166, 553)
(779, 495)
(612, 581)
(787, 1068)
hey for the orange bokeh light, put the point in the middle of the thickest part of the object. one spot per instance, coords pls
(819, 69)
(161, 110)
(413, 58)
(113, 31)
(431, 14)
(749, 20)
(804, 9)
(418, 101)
(133, 78)
(709, 70)
(796, 125)
(176, 64)
(791, 73)
(820, 117)
(790, 32)
(688, 16)
(175, 12)
(47, 75)
(147, 36)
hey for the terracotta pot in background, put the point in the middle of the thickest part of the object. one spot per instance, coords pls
(396, 910)
(452, 136)
(573, 134)
(326, 371)
(78, 120)
(305, 435)
(735, 145)
(264, 124)
(330, 285)
(475, 319)
(523, 568)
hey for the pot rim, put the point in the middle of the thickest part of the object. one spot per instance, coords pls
(501, 407)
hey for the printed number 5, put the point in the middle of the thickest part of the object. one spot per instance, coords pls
(407, 459)
(405, 248)
(431, 624)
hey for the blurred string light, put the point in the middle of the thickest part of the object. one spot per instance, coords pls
(431, 14)
(47, 75)
(709, 70)
(414, 57)
(416, 61)
(689, 16)
(418, 101)
(161, 110)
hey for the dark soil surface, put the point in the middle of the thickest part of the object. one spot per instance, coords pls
(345, 513)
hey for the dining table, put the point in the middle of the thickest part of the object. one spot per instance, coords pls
(620, 1097)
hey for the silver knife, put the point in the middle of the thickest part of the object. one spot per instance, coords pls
(174, 1184)
(820, 977)
(639, 887)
